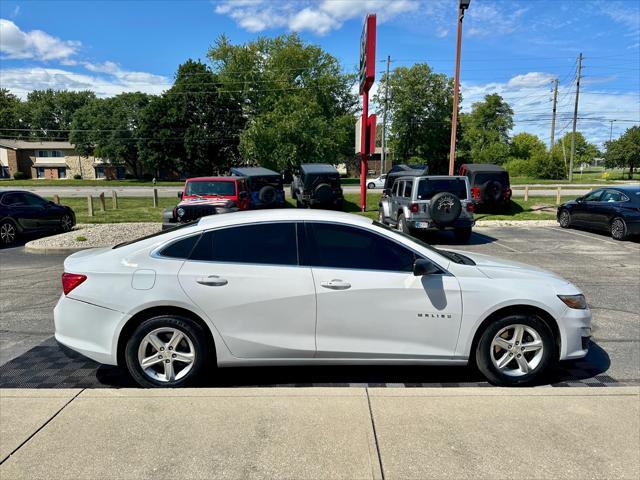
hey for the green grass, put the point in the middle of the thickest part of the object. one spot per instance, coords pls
(137, 209)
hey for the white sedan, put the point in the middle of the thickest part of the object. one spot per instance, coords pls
(377, 182)
(285, 287)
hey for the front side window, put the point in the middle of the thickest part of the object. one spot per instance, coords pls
(594, 196)
(14, 199)
(264, 243)
(342, 246)
(396, 186)
(203, 188)
(34, 200)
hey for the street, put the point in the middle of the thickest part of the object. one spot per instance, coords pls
(607, 271)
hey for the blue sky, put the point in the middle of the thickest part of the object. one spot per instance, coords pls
(515, 48)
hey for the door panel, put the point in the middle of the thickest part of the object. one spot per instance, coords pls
(387, 314)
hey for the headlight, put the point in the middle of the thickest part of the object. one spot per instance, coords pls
(180, 212)
(574, 301)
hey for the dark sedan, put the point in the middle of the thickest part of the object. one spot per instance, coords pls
(613, 209)
(24, 212)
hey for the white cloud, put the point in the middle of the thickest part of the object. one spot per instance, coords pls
(486, 18)
(316, 16)
(21, 81)
(36, 44)
(530, 96)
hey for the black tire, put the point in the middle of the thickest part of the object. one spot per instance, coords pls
(483, 353)
(402, 224)
(462, 235)
(618, 229)
(66, 223)
(444, 208)
(267, 195)
(188, 328)
(8, 233)
(371, 186)
(564, 218)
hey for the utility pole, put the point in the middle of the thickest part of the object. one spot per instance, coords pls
(383, 163)
(575, 118)
(611, 130)
(553, 114)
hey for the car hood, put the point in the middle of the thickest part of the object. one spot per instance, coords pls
(494, 267)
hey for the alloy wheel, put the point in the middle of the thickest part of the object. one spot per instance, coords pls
(66, 223)
(7, 233)
(565, 219)
(517, 350)
(618, 229)
(166, 354)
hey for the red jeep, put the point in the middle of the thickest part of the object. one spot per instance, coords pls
(204, 196)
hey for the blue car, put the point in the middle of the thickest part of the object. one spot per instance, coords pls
(265, 186)
(613, 209)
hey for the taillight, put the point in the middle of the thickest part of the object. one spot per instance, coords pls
(475, 193)
(471, 207)
(414, 208)
(71, 281)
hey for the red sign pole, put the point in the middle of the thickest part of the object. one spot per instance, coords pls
(364, 151)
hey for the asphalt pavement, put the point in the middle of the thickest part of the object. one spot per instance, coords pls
(607, 271)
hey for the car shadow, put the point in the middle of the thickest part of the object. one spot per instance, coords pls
(602, 233)
(448, 238)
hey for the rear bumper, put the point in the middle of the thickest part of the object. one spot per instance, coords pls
(88, 329)
(633, 227)
(426, 225)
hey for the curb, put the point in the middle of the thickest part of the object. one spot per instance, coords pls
(53, 250)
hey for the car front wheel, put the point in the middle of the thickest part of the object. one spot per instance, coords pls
(371, 186)
(619, 229)
(565, 219)
(166, 351)
(515, 350)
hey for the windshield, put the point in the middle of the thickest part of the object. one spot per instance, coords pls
(427, 188)
(211, 187)
(453, 256)
(157, 234)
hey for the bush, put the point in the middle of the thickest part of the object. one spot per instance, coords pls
(77, 176)
(549, 166)
(20, 176)
(519, 167)
(147, 176)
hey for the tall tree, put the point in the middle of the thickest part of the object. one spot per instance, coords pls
(11, 115)
(420, 106)
(50, 112)
(624, 151)
(486, 130)
(524, 145)
(298, 104)
(194, 127)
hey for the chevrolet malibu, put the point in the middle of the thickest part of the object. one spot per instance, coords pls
(302, 287)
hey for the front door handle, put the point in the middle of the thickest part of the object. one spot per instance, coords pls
(336, 284)
(212, 281)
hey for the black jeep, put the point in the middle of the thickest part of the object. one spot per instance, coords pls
(317, 185)
(265, 186)
(490, 187)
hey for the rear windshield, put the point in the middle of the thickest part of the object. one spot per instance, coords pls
(213, 187)
(157, 234)
(428, 188)
(484, 177)
(256, 183)
(313, 179)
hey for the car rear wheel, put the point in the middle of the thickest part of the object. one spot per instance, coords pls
(66, 223)
(402, 224)
(8, 233)
(565, 219)
(166, 351)
(371, 186)
(515, 350)
(619, 229)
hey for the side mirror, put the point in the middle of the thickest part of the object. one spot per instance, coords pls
(580, 199)
(425, 267)
(385, 191)
(180, 195)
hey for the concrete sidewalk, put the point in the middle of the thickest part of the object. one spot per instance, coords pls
(321, 433)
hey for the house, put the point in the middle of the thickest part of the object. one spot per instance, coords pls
(52, 160)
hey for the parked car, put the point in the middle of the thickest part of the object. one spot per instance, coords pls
(265, 186)
(612, 209)
(429, 203)
(303, 287)
(25, 212)
(317, 185)
(490, 186)
(399, 171)
(377, 182)
(204, 196)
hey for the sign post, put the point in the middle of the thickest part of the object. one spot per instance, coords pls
(367, 75)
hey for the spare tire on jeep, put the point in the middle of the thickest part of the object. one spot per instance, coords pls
(322, 193)
(267, 195)
(444, 208)
(492, 191)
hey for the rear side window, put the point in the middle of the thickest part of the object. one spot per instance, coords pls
(428, 188)
(613, 196)
(341, 246)
(180, 248)
(266, 243)
(407, 189)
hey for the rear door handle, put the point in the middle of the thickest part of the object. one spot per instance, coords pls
(212, 281)
(336, 284)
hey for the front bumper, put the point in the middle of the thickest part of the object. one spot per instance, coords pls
(88, 329)
(575, 332)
